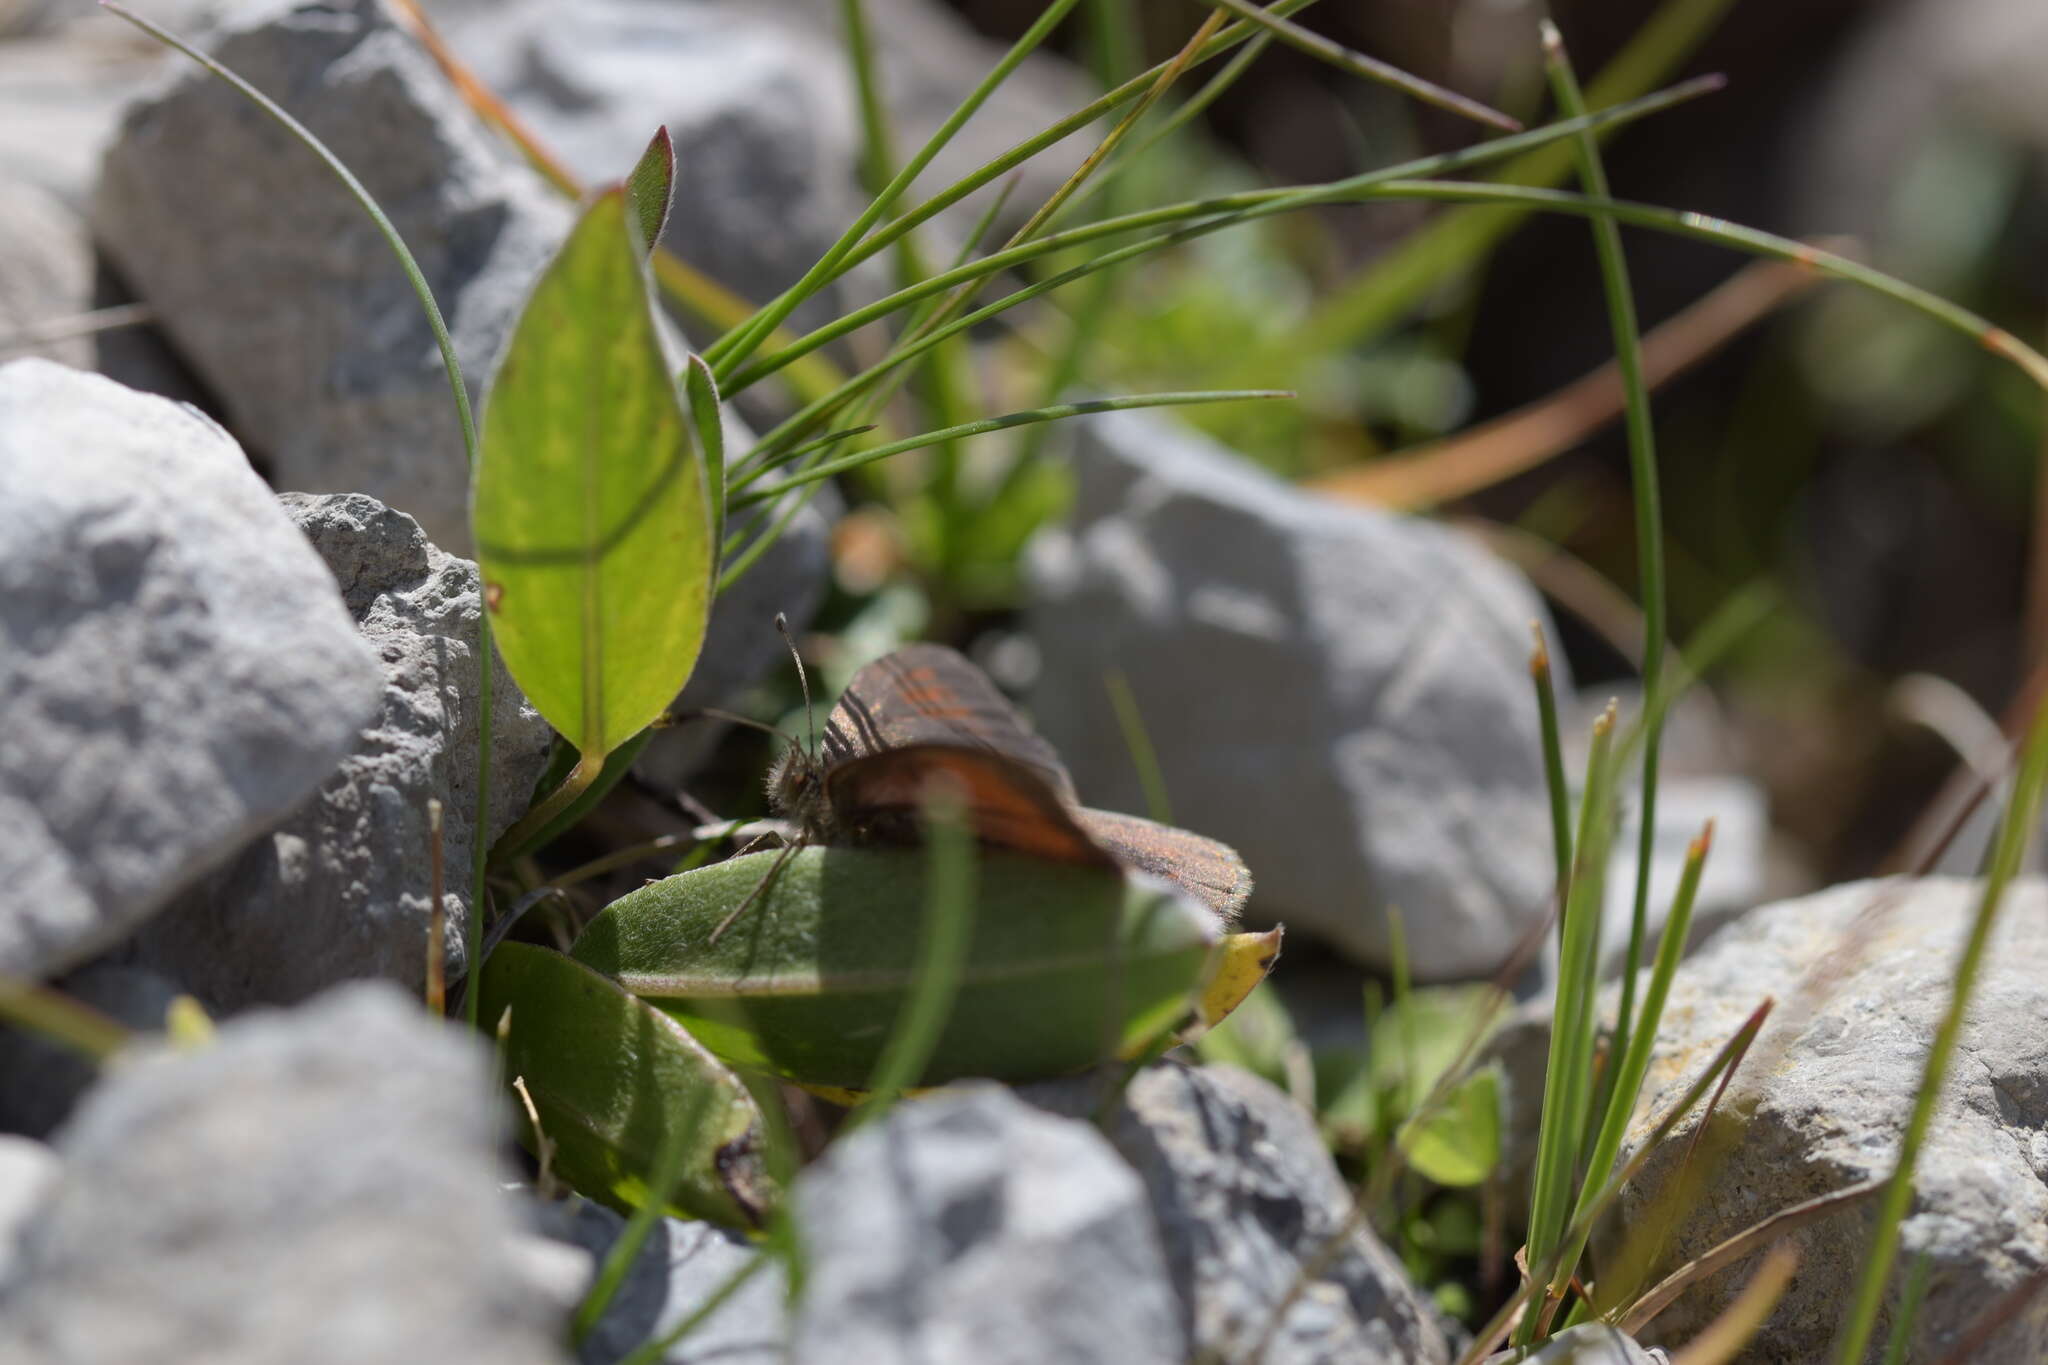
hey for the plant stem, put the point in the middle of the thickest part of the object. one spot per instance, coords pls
(1642, 457)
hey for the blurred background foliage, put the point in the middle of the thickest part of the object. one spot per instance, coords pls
(1872, 467)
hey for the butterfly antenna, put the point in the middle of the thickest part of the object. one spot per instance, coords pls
(730, 718)
(803, 681)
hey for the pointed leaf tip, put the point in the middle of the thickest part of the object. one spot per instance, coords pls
(651, 187)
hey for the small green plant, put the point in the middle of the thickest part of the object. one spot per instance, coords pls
(609, 514)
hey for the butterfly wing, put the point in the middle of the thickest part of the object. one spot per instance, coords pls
(930, 695)
(1210, 871)
(881, 797)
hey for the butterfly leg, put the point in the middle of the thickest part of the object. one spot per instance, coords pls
(755, 894)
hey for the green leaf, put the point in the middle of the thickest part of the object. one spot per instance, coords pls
(703, 392)
(1458, 1142)
(650, 189)
(613, 1080)
(591, 515)
(1065, 965)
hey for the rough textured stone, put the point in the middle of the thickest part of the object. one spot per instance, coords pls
(1861, 976)
(763, 121)
(1245, 1194)
(759, 99)
(28, 1171)
(1590, 1343)
(178, 672)
(970, 1226)
(342, 889)
(41, 1080)
(316, 1186)
(276, 287)
(1341, 694)
(681, 1266)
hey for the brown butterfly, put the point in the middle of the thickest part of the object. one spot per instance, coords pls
(925, 712)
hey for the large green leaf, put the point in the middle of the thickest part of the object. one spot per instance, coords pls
(592, 518)
(1066, 965)
(616, 1081)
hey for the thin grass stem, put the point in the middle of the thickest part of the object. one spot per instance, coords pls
(1138, 741)
(948, 932)
(1056, 412)
(1634, 1061)
(1541, 1270)
(1229, 207)
(740, 342)
(1553, 771)
(1643, 481)
(1567, 1077)
(1369, 68)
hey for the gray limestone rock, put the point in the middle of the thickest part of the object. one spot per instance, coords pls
(1245, 1196)
(761, 104)
(316, 1186)
(1590, 1343)
(28, 1172)
(968, 1225)
(343, 888)
(678, 1270)
(277, 289)
(1341, 694)
(1861, 975)
(178, 672)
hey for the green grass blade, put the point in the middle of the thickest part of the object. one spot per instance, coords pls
(1131, 721)
(2015, 832)
(1635, 1061)
(592, 518)
(1224, 210)
(741, 341)
(1917, 1280)
(1378, 298)
(738, 345)
(1553, 773)
(1056, 412)
(1567, 1073)
(1643, 481)
(459, 393)
(945, 936)
(1541, 1270)
(1704, 228)
(656, 1350)
(1369, 68)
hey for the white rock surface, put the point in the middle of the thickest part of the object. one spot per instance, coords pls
(969, 1226)
(179, 672)
(318, 1186)
(1341, 694)
(677, 1271)
(273, 284)
(1861, 975)
(1245, 1197)
(342, 889)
